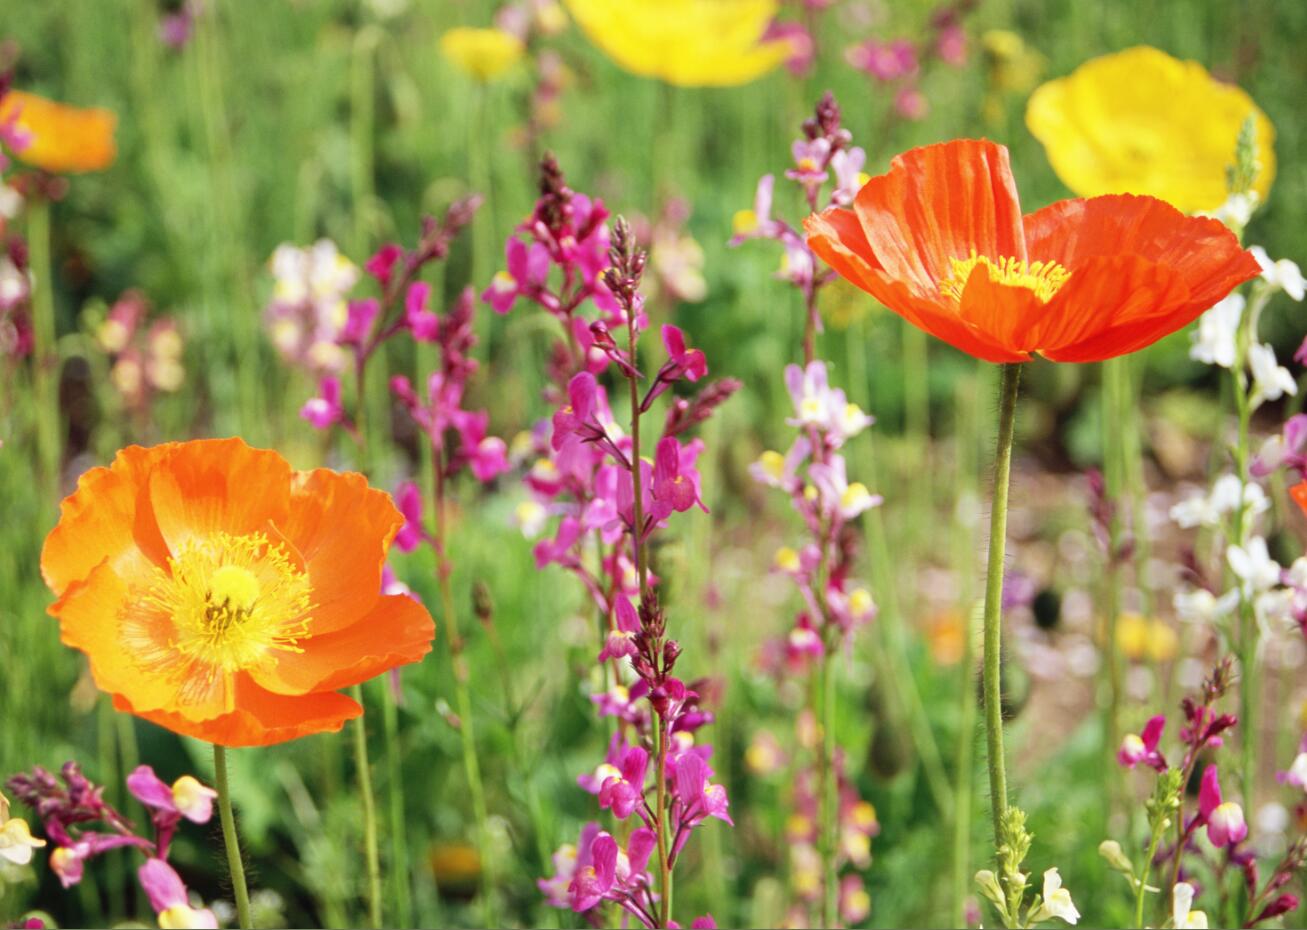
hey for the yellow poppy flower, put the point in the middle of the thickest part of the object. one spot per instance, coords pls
(692, 43)
(485, 54)
(63, 139)
(1142, 122)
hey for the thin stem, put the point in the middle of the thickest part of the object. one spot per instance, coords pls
(364, 773)
(229, 837)
(1007, 413)
(968, 443)
(462, 693)
(1141, 891)
(45, 358)
(829, 809)
(664, 852)
(1114, 480)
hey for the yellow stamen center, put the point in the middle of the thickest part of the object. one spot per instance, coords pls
(1044, 279)
(233, 603)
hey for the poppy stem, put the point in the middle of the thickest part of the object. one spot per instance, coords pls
(993, 617)
(364, 774)
(45, 364)
(230, 838)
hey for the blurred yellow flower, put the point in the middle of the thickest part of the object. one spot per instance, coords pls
(485, 54)
(691, 43)
(1142, 122)
(1138, 638)
(63, 139)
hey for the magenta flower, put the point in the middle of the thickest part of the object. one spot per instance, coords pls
(884, 61)
(325, 410)
(358, 321)
(186, 797)
(911, 104)
(409, 501)
(676, 484)
(422, 323)
(838, 496)
(1224, 819)
(566, 861)
(1285, 450)
(623, 791)
(1143, 747)
(528, 270)
(620, 643)
(700, 798)
(167, 894)
(381, 264)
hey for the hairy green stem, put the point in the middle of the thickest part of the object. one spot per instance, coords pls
(230, 838)
(1114, 420)
(370, 848)
(1007, 413)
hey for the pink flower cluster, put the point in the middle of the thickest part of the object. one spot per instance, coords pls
(813, 475)
(610, 500)
(825, 149)
(143, 361)
(898, 63)
(66, 809)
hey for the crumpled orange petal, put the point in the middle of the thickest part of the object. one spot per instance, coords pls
(64, 139)
(1078, 281)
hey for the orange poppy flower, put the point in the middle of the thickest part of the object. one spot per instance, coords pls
(941, 241)
(224, 596)
(64, 139)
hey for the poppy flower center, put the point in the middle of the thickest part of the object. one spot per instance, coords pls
(1044, 279)
(232, 602)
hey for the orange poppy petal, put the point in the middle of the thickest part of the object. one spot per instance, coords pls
(64, 139)
(108, 517)
(937, 203)
(262, 718)
(1111, 306)
(1004, 313)
(1299, 494)
(397, 631)
(342, 529)
(1201, 251)
(89, 615)
(837, 237)
(211, 486)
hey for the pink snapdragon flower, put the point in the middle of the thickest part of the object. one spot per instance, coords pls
(325, 410)
(169, 898)
(884, 61)
(623, 791)
(1143, 747)
(1224, 819)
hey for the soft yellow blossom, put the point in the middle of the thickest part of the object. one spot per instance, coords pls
(692, 43)
(1142, 122)
(485, 54)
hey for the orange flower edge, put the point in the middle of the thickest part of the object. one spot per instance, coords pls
(940, 239)
(64, 139)
(224, 596)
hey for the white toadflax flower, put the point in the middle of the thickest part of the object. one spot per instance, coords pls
(1182, 898)
(1213, 340)
(1253, 566)
(1271, 380)
(1282, 275)
(1210, 509)
(1057, 901)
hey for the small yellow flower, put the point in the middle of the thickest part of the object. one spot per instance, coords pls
(485, 54)
(1142, 122)
(691, 43)
(1139, 637)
